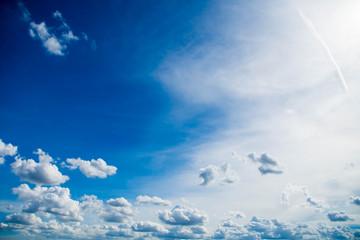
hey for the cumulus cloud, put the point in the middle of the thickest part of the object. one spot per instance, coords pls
(355, 200)
(53, 200)
(119, 202)
(6, 150)
(39, 173)
(144, 199)
(237, 214)
(212, 173)
(338, 216)
(23, 218)
(91, 169)
(148, 227)
(268, 163)
(182, 216)
(54, 39)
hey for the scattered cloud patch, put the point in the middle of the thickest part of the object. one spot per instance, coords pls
(54, 39)
(268, 164)
(338, 216)
(237, 214)
(6, 150)
(23, 218)
(148, 227)
(39, 173)
(55, 201)
(212, 173)
(355, 200)
(182, 216)
(91, 169)
(119, 202)
(144, 199)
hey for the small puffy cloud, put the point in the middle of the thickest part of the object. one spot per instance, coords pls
(53, 200)
(39, 173)
(338, 216)
(182, 216)
(6, 150)
(179, 233)
(224, 173)
(54, 39)
(268, 164)
(91, 169)
(355, 200)
(119, 202)
(144, 199)
(148, 227)
(23, 218)
(237, 214)
(91, 203)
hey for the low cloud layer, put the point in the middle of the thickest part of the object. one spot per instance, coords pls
(40, 173)
(269, 165)
(91, 169)
(355, 200)
(6, 150)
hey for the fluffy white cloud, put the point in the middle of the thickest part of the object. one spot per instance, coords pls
(148, 227)
(53, 200)
(54, 40)
(91, 169)
(338, 216)
(212, 173)
(144, 199)
(6, 150)
(268, 163)
(355, 200)
(182, 216)
(23, 218)
(40, 173)
(119, 202)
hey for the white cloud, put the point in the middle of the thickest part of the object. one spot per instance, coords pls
(54, 39)
(355, 200)
(338, 216)
(119, 202)
(224, 173)
(93, 168)
(53, 200)
(182, 216)
(23, 218)
(6, 150)
(237, 214)
(268, 163)
(144, 199)
(148, 226)
(40, 173)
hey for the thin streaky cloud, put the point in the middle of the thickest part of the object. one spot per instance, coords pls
(317, 35)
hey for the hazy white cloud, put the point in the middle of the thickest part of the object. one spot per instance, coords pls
(91, 169)
(355, 200)
(338, 216)
(40, 173)
(6, 150)
(23, 218)
(182, 216)
(268, 163)
(224, 173)
(53, 200)
(148, 226)
(237, 214)
(178, 233)
(144, 199)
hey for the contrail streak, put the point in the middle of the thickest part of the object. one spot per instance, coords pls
(316, 34)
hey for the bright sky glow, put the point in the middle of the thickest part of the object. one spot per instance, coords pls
(180, 119)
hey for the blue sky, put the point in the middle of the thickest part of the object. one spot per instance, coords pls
(179, 119)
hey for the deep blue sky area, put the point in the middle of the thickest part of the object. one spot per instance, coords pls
(93, 102)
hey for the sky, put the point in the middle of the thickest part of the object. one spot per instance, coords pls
(179, 119)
